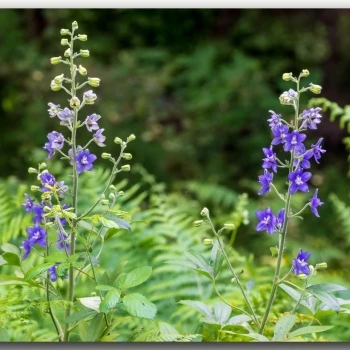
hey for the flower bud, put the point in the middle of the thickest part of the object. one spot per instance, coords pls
(111, 196)
(105, 202)
(65, 32)
(94, 82)
(125, 167)
(112, 188)
(84, 53)
(42, 166)
(205, 212)
(312, 269)
(75, 25)
(34, 188)
(316, 89)
(67, 53)
(118, 141)
(32, 171)
(198, 223)
(304, 73)
(64, 42)
(54, 86)
(82, 70)
(55, 60)
(302, 276)
(89, 97)
(127, 156)
(321, 266)
(287, 76)
(106, 155)
(59, 79)
(208, 241)
(82, 37)
(46, 196)
(120, 194)
(74, 102)
(229, 226)
(132, 137)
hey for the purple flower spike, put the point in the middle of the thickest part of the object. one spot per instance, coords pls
(299, 179)
(275, 120)
(294, 141)
(28, 204)
(311, 118)
(91, 122)
(267, 221)
(317, 150)
(99, 138)
(299, 263)
(37, 235)
(84, 161)
(265, 181)
(315, 202)
(280, 134)
(270, 160)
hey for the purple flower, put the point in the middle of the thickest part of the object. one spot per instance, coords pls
(315, 202)
(47, 179)
(304, 160)
(91, 122)
(63, 220)
(84, 161)
(66, 116)
(70, 153)
(99, 138)
(280, 219)
(37, 235)
(275, 120)
(28, 204)
(27, 248)
(311, 118)
(317, 150)
(56, 141)
(38, 211)
(299, 263)
(294, 141)
(89, 97)
(288, 97)
(54, 109)
(61, 189)
(270, 160)
(52, 271)
(280, 134)
(265, 181)
(267, 220)
(61, 241)
(299, 179)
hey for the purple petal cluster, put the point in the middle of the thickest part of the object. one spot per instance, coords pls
(84, 160)
(317, 150)
(275, 120)
(270, 160)
(99, 138)
(311, 117)
(47, 179)
(91, 122)
(315, 202)
(300, 264)
(294, 141)
(66, 116)
(56, 141)
(280, 133)
(265, 181)
(268, 221)
(298, 181)
(28, 204)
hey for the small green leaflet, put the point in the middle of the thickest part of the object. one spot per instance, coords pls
(110, 300)
(135, 277)
(37, 270)
(137, 305)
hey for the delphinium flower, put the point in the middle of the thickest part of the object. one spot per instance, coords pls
(315, 202)
(84, 160)
(66, 116)
(28, 204)
(275, 120)
(294, 141)
(280, 133)
(280, 219)
(56, 141)
(38, 211)
(53, 272)
(47, 179)
(62, 241)
(317, 150)
(270, 160)
(99, 138)
(300, 264)
(91, 122)
(298, 181)
(265, 180)
(267, 220)
(54, 109)
(37, 235)
(311, 117)
(302, 157)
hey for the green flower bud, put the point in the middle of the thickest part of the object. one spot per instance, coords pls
(229, 226)
(59, 79)
(105, 202)
(287, 76)
(46, 197)
(106, 155)
(67, 53)
(118, 141)
(82, 70)
(112, 188)
(84, 53)
(32, 171)
(55, 60)
(321, 266)
(95, 82)
(316, 89)
(75, 25)
(82, 37)
(65, 32)
(54, 86)
(132, 137)
(125, 167)
(198, 223)
(111, 196)
(305, 73)
(64, 42)
(74, 102)
(42, 166)
(302, 276)
(120, 194)
(34, 188)
(208, 241)
(127, 156)
(205, 212)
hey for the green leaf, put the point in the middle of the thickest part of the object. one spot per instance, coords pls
(217, 257)
(308, 330)
(137, 305)
(135, 277)
(104, 287)
(108, 223)
(83, 328)
(96, 328)
(12, 280)
(10, 248)
(200, 263)
(79, 315)
(12, 259)
(274, 251)
(56, 258)
(283, 326)
(36, 271)
(200, 307)
(110, 300)
(222, 312)
(239, 319)
(325, 287)
(91, 303)
(88, 226)
(328, 299)
(62, 270)
(110, 233)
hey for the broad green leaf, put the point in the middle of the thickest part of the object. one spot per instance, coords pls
(308, 330)
(37, 270)
(274, 251)
(62, 270)
(200, 307)
(222, 312)
(10, 248)
(118, 270)
(110, 300)
(108, 223)
(122, 224)
(2, 261)
(96, 328)
(326, 287)
(83, 328)
(328, 299)
(110, 233)
(91, 303)
(79, 315)
(283, 326)
(137, 305)
(104, 287)
(135, 277)
(12, 259)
